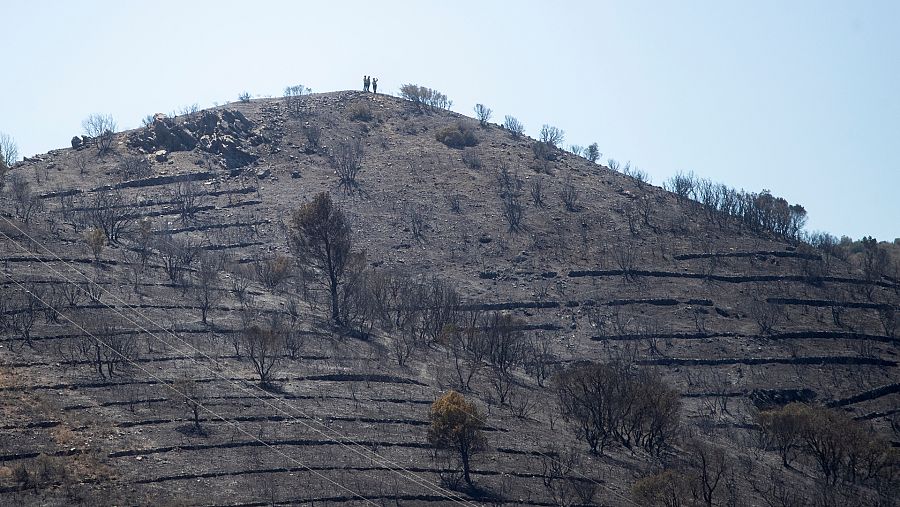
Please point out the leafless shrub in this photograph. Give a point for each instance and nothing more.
(134, 167)
(537, 191)
(52, 302)
(483, 113)
(699, 314)
(313, 136)
(440, 304)
(631, 218)
(294, 338)
(81, 163)
(190, 395)
(244, 97)
(538, 359)
(423, 98)
(521, 404)
(273, 271)
(142, 236)
(24, 310)
(623, 254)
(346, 159)
(576, 149)
(102, 128)
(551, 136)
(504, 340)
(93, 291)
(640, 177)
(888, 317)
(715, 386)
(25, 202)
(105, 346)
(761, 212)
(454, 200)
(471, 158)
(560, 474)
(611, 403)
(112, 212)
(392, 296)
(682, 185)
(205, 288)
(188, 200)
(779, 492)
(187, 110)
(514, 126)
(612, 164)
(416, 217)
(357, 310)
(510, 197)
(569, 196)
(177, 254)
(293, 98)
(9, 151)
(467, 346)
(874, 261)
(513, 211)
(264, 348)
(765, 314)
(72, 294)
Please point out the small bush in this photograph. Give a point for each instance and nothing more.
(361, 112)
(133, 167)
(544, 151)
(313, 136)
(471, 158)
(244, 97)
(272, 272)
(457, 136)
(96, 240)
(569, 196)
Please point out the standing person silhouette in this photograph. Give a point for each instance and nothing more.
(374, 85)
(365, 83)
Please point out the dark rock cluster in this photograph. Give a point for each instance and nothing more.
(226, 133)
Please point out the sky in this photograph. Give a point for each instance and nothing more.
(798, 97)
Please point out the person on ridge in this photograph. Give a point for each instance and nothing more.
(365, 83)
(374, 85)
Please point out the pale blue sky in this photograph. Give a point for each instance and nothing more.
(797, 97)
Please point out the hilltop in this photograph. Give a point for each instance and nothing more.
(132, 279)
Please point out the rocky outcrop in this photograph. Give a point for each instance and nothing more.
(226, 133)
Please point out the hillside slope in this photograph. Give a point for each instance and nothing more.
(732, 318)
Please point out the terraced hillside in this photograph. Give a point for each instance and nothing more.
(134, 280)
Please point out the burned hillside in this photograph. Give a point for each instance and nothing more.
(266, 303)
